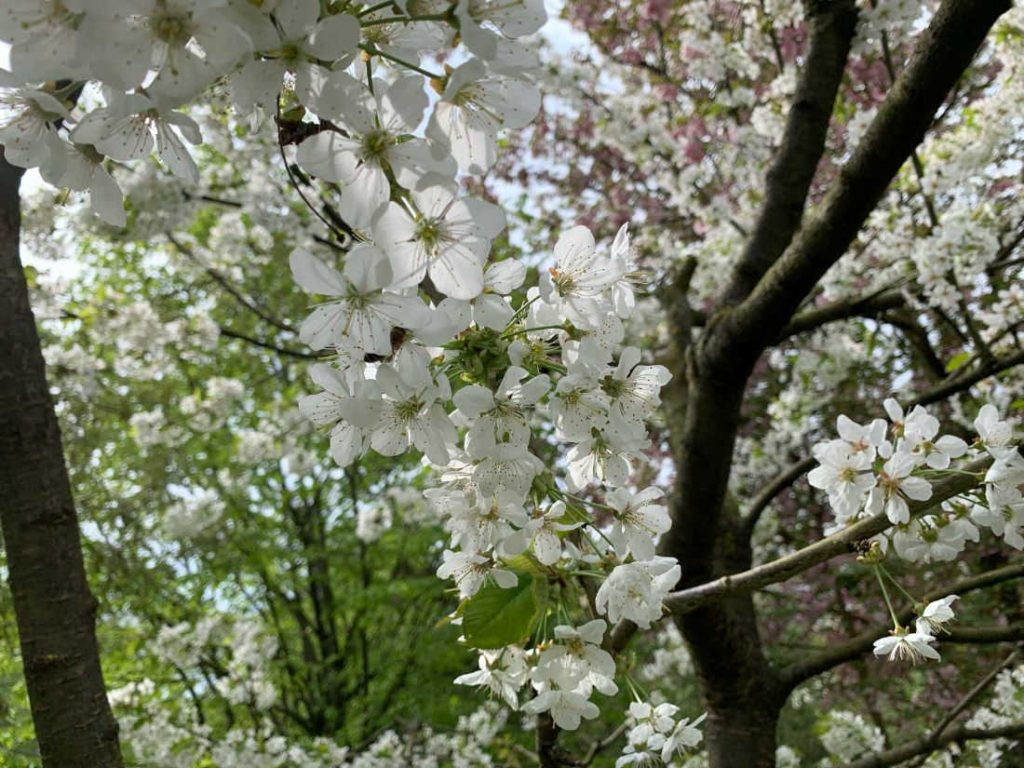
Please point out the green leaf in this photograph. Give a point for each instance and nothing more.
(495, 617)
(957, 361)
(526, 563)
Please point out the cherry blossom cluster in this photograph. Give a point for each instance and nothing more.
(434, 342)
(655, 733)
(162, 738)
(879, 467)
(550, 361)
(143, 62)
(902, 644)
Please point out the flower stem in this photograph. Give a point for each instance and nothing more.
(885, 594)
(374, 51)
(899, 586)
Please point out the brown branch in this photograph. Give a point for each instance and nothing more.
(958, 384)
(603, 744)
(268, 345)
(796, 673)
(777, 485)
(984, 635)
(839, 543)
(224, 283)
(832, 26)
(966, 700)
(549, 754)
(917, 337)
(867, 306)
(944, 51)
(692, 598)
(924, 745)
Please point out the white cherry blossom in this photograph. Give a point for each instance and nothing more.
(639, 520)
(844, 475)
(500, 417)
(935, 616)
(636, 591)
(575, 285)
(895, 485)
(503, 672)
(475, 104)
(543, 530)
(448, 239)
(365, 314)
(303, 41)
(370, 141)
(903, 644)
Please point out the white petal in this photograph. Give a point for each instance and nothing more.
(334, 37)
(315, 276)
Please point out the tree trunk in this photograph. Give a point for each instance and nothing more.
(55, 610)
(738, 687)
(742, 736)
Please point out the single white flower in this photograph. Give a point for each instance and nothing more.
(474, 106)
(577, 654)
(500, 417)
(995, 434)
(639, 520)
(365, 314)
(448, 240)
(503, 672)
(470, 570)
(543, 530)
(844, 475)
(636, 591)
(867, 439)
(903, 644)
(935, 616)
(684, 736)
(574, 286)
(302, 41)
(895, 485)
(633, 389)
(371, 139)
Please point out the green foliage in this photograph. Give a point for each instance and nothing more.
(495, 617)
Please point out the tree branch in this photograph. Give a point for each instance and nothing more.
(777, 485)
(794, 674)
(692, 598)
(945, 50)
(838, 543)
(866, 306)
(958, 384)
(603, 744)
(966, 700)
(924, 745)
(917, 337)
(832, 25)
(224, 283)
(268, 345)
(952, 386)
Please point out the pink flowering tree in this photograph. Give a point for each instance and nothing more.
(773, 341)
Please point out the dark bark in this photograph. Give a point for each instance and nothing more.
(779, 267)
(944, 52)
(832, 25)
(703, 403)
(744, 734)
(55, 610)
